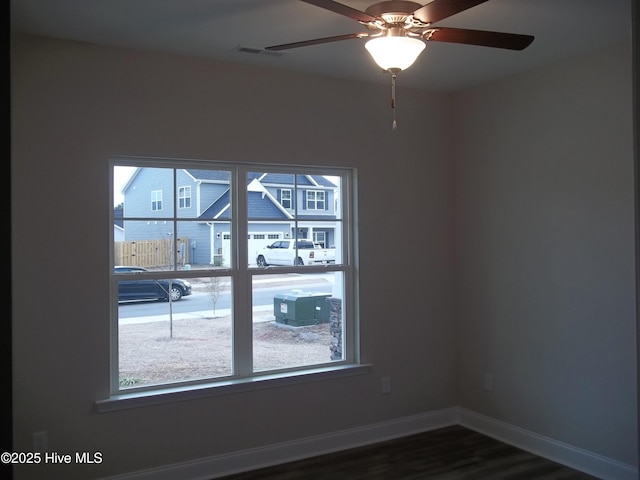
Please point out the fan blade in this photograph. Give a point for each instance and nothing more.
(342, 10)
(483, 38)
(317, 41)
(440, 9)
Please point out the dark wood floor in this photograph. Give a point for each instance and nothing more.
(452, 453)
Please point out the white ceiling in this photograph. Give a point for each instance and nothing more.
(215, 28)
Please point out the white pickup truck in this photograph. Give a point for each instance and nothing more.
(292, 252)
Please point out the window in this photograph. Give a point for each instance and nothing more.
(184, 197)
(156, 200)
(192, 304)
(315, 200)
(285, 198)
(319, 238)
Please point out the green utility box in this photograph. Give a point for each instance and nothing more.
(301, 308)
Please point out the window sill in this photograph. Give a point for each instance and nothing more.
(179, 393)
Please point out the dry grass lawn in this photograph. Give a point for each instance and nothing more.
(160, 352)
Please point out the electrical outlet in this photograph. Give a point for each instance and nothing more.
(40, 442)
(488, 382)
(385, 385)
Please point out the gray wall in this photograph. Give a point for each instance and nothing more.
(545, 296)
(532, 212)
(75, 104)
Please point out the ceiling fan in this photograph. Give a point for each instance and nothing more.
(398, 30)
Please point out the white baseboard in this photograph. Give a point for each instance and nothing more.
(221, 465)
(574, 457)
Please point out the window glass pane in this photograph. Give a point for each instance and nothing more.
(149, 193)
(265, 196)
(212, 190)
(146, 243)
(203, 245)
(297, 320)
(304, 209)
(164, 341)
(122, 175)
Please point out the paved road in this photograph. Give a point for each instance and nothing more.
(199, 305)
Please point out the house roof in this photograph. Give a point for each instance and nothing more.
(219, 209)
(280, 179)
(260, 206)
(302, 180)
(211, 175)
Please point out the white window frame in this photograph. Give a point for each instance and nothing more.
(286, 202)
(242, 275)
(184, 197)
(156, 200)
(315, 201)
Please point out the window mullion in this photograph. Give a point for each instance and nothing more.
(242, 288)
(348, 247)
(174, 215)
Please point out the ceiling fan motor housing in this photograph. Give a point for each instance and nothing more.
(395, 16)
(393, 8)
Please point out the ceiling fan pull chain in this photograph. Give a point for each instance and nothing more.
(394, 125)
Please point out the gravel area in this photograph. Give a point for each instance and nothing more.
(160, 352)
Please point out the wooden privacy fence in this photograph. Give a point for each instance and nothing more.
(152, 253)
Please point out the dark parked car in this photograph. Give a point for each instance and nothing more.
(143, 289)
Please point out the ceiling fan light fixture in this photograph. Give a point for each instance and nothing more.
(394, 53)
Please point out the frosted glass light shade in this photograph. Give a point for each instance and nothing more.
(394, 52)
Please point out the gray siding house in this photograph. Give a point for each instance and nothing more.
(279, 206)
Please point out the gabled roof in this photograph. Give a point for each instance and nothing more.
(279, 179)
(282, 179)
(210, 175)
(219, 209)
(260, 203)
(260, 206)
